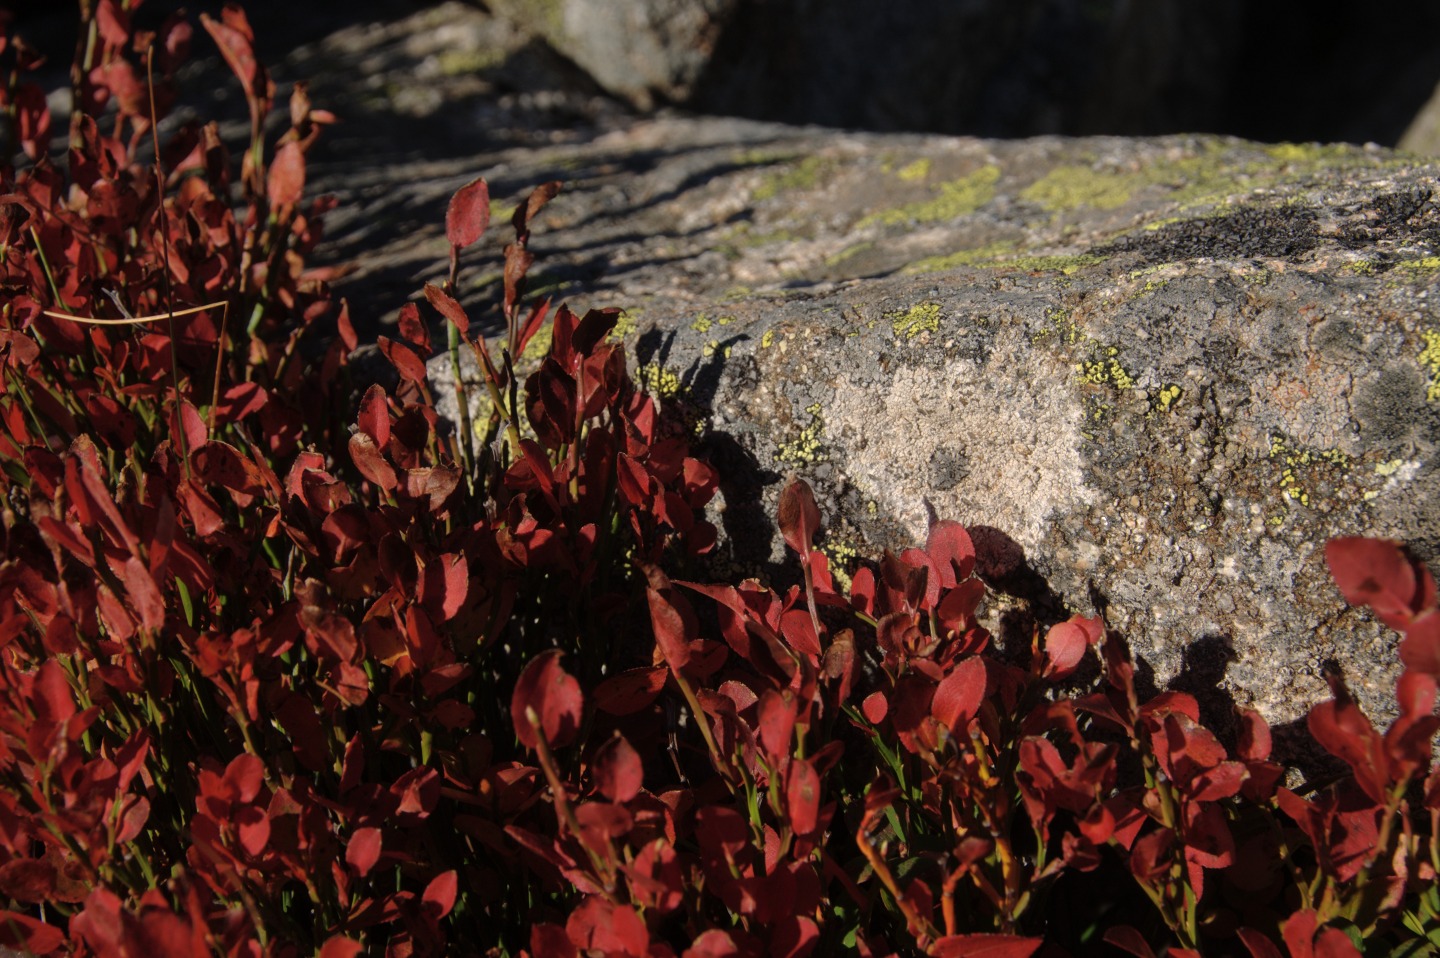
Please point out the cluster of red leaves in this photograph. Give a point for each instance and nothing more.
(283, 671)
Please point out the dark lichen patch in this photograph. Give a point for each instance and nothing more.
(1281, 232)
(1400, 215)
(949, 467)
(1389, 408)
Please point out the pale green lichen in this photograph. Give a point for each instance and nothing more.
(999, 256)
(915, 172)
(1388, 469)
(801, 176)
(835, 259)
(920, 318)
(808, 446)
(955, 198)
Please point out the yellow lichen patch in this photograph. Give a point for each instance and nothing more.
(767, 339)
(1106, 371)
(626, 324)
(701, 324)
(659, 381)
(1068, 265)
(1301, 465)
(1430, 359)
(807, 447)
(842, 555)
(915, 172)
(1168, 396)
(1388, 469)
(1427, 264)
(920, 318)
(955, 198)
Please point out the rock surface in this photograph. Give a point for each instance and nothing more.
(1158, 373)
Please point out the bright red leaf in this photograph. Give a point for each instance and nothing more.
(468, 214)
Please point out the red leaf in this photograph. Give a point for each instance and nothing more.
(22, 931)
(1334, 943)
(409, 365)
(363, 850)
(799, 517)
(374, 418)
(605, 928)
(959, 695)
(439, 896)
(1128, 939)
(27, 879)
(1376, 573)
(468, 214)
(285, 184)
(618, 771)
(1065, 644)
(952, 552)
(1259, 945)
(712, 944)
(674, 624)
(546, 691)
(54, 702)
(777, 714)
(235, 47)
(1299, 934)
(448, 307)
(985, 946)
(446, 583)
(799, 630)
(1345, 732)
(802, 797)
(338, 946)
(550, 941)
(875, 707)
(253, 826)
(144, 597)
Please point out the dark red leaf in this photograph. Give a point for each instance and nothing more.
(985, 946)
(1128, 939)
(36, 937)
(1259, 945)
(552, 696)
(799, 517)
(27, 879)
(468, 214)
(602, 927)
(619, 773)
(285, 184)
(550, 941)
(631, 691)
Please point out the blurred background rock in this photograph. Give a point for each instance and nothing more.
(1270, 70)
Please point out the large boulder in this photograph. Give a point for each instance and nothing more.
(1002, 67)
(1153, 376)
